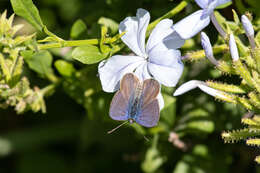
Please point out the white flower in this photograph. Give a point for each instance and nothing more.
(247, 25)
(201, 85)
(233, 48)
(194, 23)
(159, 59)
(205, 43)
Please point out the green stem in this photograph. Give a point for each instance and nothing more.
(68, 44)
(73, 43)
(170, 14)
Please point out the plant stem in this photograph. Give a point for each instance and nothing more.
(170, 14)
(68, 44)
(73, 43)
(218, 26)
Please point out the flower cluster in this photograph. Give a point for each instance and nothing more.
(238, 66)
(159, 58)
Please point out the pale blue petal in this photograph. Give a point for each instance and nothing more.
(143, 17)
(202, 3)
(201, 85)
(161, 30)
(166, 66)
(135, 28)
(160, 100)
(187, 87)
(113, 69)
(142, 72)
(191, 25)
(210, 8)
(173, 41)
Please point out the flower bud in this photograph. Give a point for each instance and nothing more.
(248, 27)
(233, 48)
(205, 43)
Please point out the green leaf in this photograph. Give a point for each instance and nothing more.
(40, 62)
(153, 158)
(235, 16)
(64, 68)
(109, 23)
(5, 68)
(200, 122)
(88, 54)
(27, 10)
(168, 112)
(257, 38)
(77, 29)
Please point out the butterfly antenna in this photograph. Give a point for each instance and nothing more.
(111, 131)
(146, 139)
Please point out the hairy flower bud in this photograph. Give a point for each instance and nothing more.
(233, 48)
(205, 43)
(248, 27)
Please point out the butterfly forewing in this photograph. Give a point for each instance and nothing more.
(151, 89)
(118, 107)
(128, 85)
(149, 114)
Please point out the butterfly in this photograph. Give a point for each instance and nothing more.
(136, 101)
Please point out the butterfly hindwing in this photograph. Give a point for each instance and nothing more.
(149, 114)
(118, 107)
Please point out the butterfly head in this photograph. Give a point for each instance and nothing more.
(131, 120)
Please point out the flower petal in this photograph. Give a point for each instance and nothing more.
(112, 70)
(191, 25)
(202, 3)
(187, 87)
(161, 30)
(160, 100)
(173, 41)
(164, 37)
(135, 28)
(210, 8)
(166, 66)
(142, 72)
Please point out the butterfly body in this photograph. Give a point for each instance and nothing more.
(136, 101)
(134, 104)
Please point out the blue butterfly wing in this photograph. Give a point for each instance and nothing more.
(118, 107)
(149, 115)
(121, 100)
(149, 112)
(151, 89)
(128, 85)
